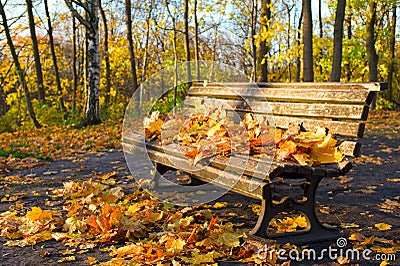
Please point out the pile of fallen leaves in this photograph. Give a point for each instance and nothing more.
(27, 149)
(209, 133)
(97, 215)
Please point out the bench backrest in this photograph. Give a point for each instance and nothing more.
(341, 107)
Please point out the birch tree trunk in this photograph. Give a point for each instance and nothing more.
(91, 23)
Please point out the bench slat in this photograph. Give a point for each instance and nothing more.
(335, 111)
(343, 95)
(207, 173)
(239, 164)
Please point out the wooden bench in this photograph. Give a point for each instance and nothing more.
(341, 107)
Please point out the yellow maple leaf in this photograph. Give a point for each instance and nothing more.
(174, 246)
(37, 214)
(383, 226)
(301, 221)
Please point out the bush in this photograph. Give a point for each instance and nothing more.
(384, 104)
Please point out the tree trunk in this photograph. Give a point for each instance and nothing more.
(35, 47)
(263, 49)
(174, 44)
(146, 50)
(196, 41)
(349, 36)
(338, 41)
(187, 40)
(54, 58)
(321, 30)
(370, 36)
(298, 59)
(106, 58)
(128, 14)
(308, 72)
(371, 52)
(392, 52)
(74, 64)
(253, 25)
(18, 68)
(91, 23)
(288, 9)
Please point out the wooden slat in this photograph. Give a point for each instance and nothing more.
(371, 86)
(343, 95)
(208, 173)
(335, 111)
(350, 148)
(236, 163)
(240, 163)
(342, 128)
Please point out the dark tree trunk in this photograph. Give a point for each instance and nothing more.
(263, 49)
(146, 50)
(338, 41)
(196, 41)
(392, 51)
(253, 26)
(187, 40)
(370, 34)
(54, 58)
(308, 71)
(35, 47)
(106, 59)
(128, 14)
(371, 52)
(18, 68)
(349, 36)
(74, 64)
(298, 59)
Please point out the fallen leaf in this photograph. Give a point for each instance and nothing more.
(383, 226)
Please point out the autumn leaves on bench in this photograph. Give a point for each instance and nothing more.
(208, 132)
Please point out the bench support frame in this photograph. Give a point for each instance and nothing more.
(316, 231)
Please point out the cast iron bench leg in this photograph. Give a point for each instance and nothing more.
(316, 232)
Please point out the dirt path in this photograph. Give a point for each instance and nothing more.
(354, 203)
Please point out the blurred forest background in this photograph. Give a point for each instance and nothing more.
(80, 61)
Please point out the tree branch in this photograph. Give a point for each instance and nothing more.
(76, 14)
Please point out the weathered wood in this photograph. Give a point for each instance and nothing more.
(371, 86)
(350, 148)
(344, 95)
(334, 111)
(231, 181)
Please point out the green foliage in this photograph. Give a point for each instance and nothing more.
(384, 104)
(166, 103)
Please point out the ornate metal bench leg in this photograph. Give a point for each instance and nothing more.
(160, 170)
(266, 214)
(316, 232)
